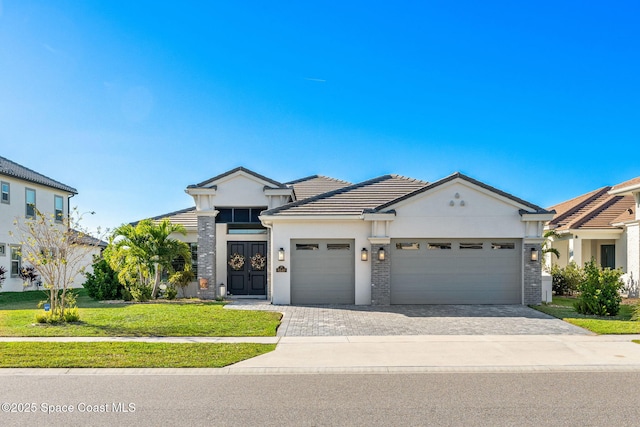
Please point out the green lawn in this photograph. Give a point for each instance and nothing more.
(17, 318)
(562, 308)
(17, 314)
(125, 355)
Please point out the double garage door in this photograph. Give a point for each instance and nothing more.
(423, 271)
(322, 271)
(461, 271)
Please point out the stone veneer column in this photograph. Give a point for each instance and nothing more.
(532, 275)
(380, 276)
(207, 256)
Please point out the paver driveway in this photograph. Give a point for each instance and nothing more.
(353, 320)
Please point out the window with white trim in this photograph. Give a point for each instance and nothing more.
(6, 192)
(16, 260)
(58, 207)
(30, 202)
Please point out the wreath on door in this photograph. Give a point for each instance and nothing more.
(258, 261)
(236, 261)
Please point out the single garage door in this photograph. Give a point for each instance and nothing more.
(322, 271)
(460, 271)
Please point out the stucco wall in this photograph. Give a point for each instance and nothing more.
(472, 213)
(16, 209)
(284, 232)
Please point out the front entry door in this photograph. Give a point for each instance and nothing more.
(247, 268)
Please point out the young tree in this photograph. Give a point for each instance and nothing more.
(58, 251)
(142, 252)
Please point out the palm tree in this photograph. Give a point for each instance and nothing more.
(142, 252)
(546, 246)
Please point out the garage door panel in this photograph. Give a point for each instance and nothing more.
(322, 271)
(457, 276)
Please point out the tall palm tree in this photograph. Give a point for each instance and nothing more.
(145, 250)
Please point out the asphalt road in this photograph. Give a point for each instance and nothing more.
(433, 399)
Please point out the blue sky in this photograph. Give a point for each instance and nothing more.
(131, 101)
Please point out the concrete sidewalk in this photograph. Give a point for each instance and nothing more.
(451, 353)
(394, 354)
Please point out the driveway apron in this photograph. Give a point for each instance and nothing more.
(353, 320)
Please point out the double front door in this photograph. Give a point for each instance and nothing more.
(247, 268)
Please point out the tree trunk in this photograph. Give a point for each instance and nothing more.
(156, 281)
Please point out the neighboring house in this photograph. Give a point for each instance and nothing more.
(602, 225)
(389, 240)
(22, 192)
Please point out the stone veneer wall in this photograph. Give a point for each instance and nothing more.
(532, 275)
(207, 256)
(380, 276)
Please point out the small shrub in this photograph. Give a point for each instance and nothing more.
(171, 292)
(103, 283)
(565, 281)
(70, 315)
(140, 293)
(599, 291)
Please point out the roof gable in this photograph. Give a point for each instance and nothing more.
(13, 169)
(239, 171)
(506, 197)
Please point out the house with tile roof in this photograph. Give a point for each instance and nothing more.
(24, 190)
(600, 225)
(387, 240)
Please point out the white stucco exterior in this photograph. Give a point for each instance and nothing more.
(15, 210)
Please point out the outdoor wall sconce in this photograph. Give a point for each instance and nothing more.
(534, 254)
(381, 254)
(281, 254)
(364, 254)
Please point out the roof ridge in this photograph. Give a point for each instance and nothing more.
(328, 194)
(596, 193)
(310, 177)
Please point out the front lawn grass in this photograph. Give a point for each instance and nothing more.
(17, 318)
(126, 355)
(562, 308)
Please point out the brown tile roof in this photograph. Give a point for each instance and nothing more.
(631, 183)
(315, 184)
(353, 199)
(594, 210)
(13, 169)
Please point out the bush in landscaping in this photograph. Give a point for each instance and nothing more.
(103, 283)
(140, 293)
(565, 281)
(599, 291)
(51, 317)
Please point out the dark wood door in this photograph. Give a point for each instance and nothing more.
(608, 256)
(247, 268)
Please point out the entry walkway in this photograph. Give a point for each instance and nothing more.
(403, 320)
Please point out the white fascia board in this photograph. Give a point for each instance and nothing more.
(378, 216)
(278, 191)
(283, 218)
(537, 217)
(200, 190)
(624, 191)
(592, 234)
